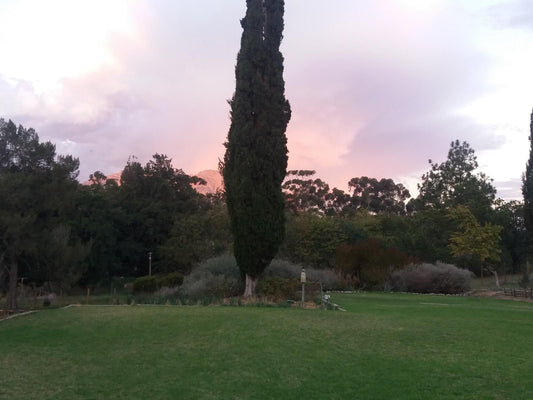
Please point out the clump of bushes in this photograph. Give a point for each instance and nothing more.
(217, 277)
(369, 264)
(149, 284)
(431, 278)
(287, 270)
(220, 277)
(145, 284)
(170, 280)
(279, 288)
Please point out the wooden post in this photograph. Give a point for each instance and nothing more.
(88, 295)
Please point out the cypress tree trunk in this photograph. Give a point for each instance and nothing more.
(255, 162)
(251, 283)
(527, 192)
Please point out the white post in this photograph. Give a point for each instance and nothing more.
(150, 263)
(303, 279)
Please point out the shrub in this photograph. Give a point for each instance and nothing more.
(170, 280)
(369, 263)
(145, 284)
(220, 277)
(431, 278)
(279, 288)
(285, 269)
(224, 265)
(217, 277)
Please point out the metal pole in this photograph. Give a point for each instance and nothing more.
(150, 263)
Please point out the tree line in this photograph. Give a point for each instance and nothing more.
(59, 234)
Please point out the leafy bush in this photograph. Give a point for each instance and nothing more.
(285, 269)
(145, 284)
(220, 277)
(279, 288)
(170, 280)
(224, 265)
(369, 263)
(431, 278)
(217, 277)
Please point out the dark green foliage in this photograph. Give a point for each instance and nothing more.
(150, 200)
(256, 150)
(368, 263)
(312, 239)
(430, 230)
(510, 215)
(170, 280)
(36, 192)
(287, 270)
(96, 218)
(525, 281)
(280, 288)
(149, 284)
(145, 284)
(125, 222)
(454, 183)
(303, 193)
(194, 238)
(527, 192)
(428, 278)
(383, 196)
(216, 278)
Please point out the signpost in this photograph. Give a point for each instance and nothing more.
(303, 279)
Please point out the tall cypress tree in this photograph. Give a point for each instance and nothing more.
(527, 192)
(255, 162)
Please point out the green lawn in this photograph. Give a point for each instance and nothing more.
(386, 346)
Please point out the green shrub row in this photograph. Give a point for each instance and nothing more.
(149, 284)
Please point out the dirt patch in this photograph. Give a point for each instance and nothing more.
(496, 294)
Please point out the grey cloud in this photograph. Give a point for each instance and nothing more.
(512, 14)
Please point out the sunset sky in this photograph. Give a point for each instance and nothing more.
(377, 87)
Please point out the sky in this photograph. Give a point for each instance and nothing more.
(377, 87)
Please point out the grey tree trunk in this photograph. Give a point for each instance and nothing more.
(251, 284)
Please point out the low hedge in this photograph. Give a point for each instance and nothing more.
(149, 284)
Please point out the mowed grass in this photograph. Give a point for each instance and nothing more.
(385, 346)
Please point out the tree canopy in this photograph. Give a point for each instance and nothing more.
(383, 196)
(454, 182)
(35, 189)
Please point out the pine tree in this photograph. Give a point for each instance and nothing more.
(527, 192)
(255, 162)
